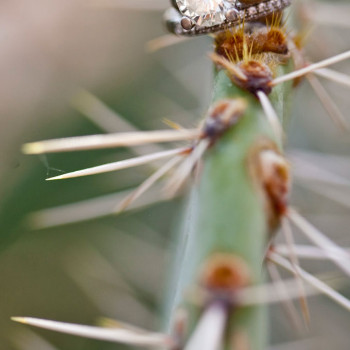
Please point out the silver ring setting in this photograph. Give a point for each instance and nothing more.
(195, 17)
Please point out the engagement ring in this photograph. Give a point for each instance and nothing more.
(194, 17)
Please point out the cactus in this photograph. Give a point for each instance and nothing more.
(238, 197)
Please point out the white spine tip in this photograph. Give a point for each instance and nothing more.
(19, 319)
(32, 148)
(60, 177)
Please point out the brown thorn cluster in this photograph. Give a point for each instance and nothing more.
(250, 75)
(225, 273)
(257, 37)
(251, 52)
(221, 116)
(271, 172)
(259, 76)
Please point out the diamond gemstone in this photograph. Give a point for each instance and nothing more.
(204, 13)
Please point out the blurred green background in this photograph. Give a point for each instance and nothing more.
(113, 266)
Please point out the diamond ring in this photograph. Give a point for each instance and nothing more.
(194, 17)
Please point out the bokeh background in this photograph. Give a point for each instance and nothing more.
(80, 67)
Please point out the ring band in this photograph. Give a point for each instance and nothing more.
(180, 24)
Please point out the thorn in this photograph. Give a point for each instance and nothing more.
(125, 336)
(320, 240)
(310, 68)
(286, 298)
(268, 293)
(123, 164)
(271, 115)
(108, 120)
(209, 330)
(333, 75)
(19, 319)
(148, 183)
(313, 281)
(179, 177)
(231, 67)
(308, 252)
(328, 104)
(172, 124)
(109, 141)
(88, 209)
(287, 231)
